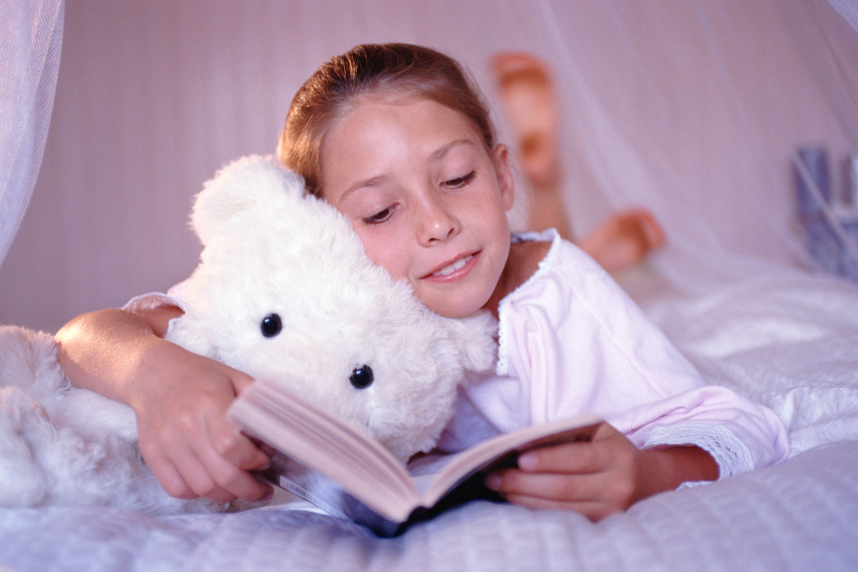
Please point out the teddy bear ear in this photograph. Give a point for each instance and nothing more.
(240, 187)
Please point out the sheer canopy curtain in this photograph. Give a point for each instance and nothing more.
(30, 45)
(694, 109)
(691, 108)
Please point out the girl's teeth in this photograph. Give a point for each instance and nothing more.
(458, 265)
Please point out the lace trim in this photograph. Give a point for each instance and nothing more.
(503, 352)
(730, 453)
(150, 301)
(502, 367)
(154, 300)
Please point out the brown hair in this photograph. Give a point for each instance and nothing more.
(365, 69)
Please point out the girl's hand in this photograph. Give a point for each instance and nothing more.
(184, 435)
(179, 398)
(599, 478)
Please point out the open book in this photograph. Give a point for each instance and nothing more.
(349, 474)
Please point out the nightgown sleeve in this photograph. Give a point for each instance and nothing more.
(577, 343)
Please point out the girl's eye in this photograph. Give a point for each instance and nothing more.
(460, 182)
(379, 217)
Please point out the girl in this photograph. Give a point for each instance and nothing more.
(395, 138)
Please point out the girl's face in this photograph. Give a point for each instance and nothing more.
(426, 198)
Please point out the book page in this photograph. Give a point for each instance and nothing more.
(369, 472)
(315, 438)
(504, 450)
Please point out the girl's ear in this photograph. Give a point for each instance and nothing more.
(506, 182)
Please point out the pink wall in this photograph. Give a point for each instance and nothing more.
(153, 96)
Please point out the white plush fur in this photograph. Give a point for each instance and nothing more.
(65, 446)
(268, 249)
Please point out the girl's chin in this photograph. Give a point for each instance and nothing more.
(450, 308)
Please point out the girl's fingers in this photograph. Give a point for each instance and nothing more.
(170, 479)
(195, 469)
(207, 475)
(609, 450)
(566, 458)
(594, 495)
(548, 486)
(235, 447)
(187, 478)
(220, 481)
(222, 475)
(199, 479)
(575, 476)
(238, 483)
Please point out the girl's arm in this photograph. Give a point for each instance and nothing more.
(602, 477)
(179, 398)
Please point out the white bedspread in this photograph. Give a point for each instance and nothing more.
(802, 515)
(792, 345)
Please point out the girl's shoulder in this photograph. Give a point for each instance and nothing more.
(535, 255)
(550, 269)
(527, 254)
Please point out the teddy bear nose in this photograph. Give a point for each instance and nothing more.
(271, 325)
(361, 377)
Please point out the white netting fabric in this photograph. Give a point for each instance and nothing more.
(30, 44)
(690, 108)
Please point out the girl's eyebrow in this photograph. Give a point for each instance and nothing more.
(439, 153)
(357, 185)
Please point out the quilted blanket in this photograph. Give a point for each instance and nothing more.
(792, 345)
(801, 515)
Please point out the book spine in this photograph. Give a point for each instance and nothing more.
(326, 494)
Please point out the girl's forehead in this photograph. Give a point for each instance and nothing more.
(383, 136)
(389, 94)
(418, 119)
(394, 98)
(401, 108)
(378, 97)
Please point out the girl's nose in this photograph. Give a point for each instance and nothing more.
(437, 222)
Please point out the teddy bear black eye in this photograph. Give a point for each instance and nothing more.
(361, 377)
(271, 325)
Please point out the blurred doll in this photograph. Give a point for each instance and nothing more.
(528, 97)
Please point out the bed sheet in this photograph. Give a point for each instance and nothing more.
(793, 345)
(788, 341)
(801, 515)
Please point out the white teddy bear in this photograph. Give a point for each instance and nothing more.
(284, 291)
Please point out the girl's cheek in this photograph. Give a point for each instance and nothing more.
(383, 251)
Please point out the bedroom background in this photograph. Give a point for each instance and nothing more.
(691, 108)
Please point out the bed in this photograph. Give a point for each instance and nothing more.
(758, 78)
(790, 342)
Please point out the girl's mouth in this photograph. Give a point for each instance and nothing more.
(455, 270)
(457, 265)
